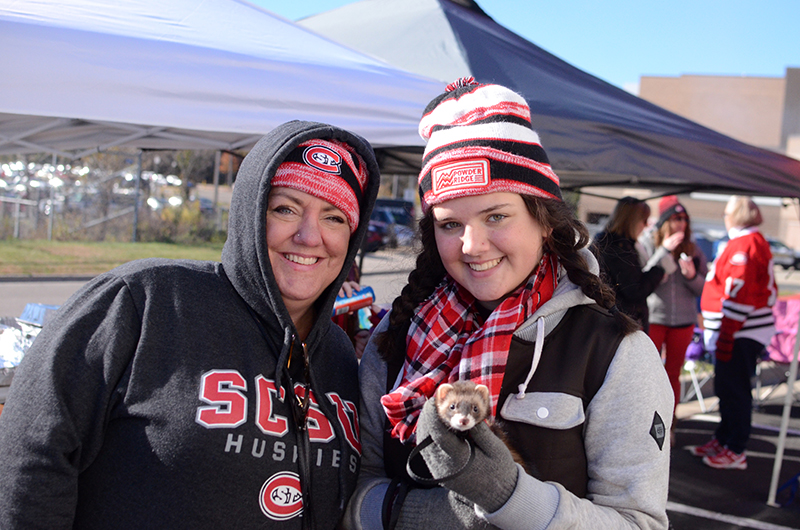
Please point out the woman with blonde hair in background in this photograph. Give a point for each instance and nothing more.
(737, 305)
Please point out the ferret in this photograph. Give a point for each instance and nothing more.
(463, 404)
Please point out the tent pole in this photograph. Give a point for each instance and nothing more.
(217, 213)
(52, 204)
(787, 410)
(216, 178)
(136, 198)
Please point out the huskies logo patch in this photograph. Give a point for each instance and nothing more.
(323, 158)
(460, 175)
(281, 497)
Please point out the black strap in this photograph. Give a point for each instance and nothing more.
(393, 502)
(433, 481)
(299, 407)
(304, 456)
(399, 499)
(388, 501)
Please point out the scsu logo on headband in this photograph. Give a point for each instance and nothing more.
(460, 175)
(323, 158)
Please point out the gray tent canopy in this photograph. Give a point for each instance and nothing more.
(595, 134)
(81, 77)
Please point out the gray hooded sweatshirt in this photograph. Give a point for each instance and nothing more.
(159, 396)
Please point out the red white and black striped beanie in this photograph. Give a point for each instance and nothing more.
(479, 140)
(329, 170)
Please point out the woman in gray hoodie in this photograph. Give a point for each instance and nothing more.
(673, 305)
(186, 394)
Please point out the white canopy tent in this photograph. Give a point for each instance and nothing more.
(80, 76)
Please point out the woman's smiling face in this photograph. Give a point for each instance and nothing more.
(307, 241)
(490, 244)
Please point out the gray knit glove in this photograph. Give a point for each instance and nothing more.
(491, 477)
(439, 509)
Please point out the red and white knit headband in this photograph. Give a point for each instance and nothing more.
(329, 170)
(479, 140)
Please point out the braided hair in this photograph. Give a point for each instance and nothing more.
(567, 237)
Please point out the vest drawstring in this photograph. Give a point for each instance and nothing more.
(537, 356)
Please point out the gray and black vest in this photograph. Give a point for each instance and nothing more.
(546, 426)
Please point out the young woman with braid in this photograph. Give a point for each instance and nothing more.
(506, 294)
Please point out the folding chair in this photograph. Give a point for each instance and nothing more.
(775, 363)
(697, 361)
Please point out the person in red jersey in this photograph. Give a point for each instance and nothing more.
(737, 302)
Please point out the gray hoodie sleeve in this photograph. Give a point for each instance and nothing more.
(364, 509)
(661, 257)
(52, 426)
(628, 472)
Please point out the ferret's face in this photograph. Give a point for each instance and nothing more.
(462, 404)
(461, 415)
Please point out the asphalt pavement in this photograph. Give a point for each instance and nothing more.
(711, 499)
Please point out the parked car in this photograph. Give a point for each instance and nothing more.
(402, 210)
(392, 232)
(206, 205)
(706, 245)
(382, 223)
(404, 235)
(782, 255)
(373, 240)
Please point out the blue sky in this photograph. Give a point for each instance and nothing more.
(620, 41)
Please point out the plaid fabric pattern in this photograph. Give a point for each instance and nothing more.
(447, 343)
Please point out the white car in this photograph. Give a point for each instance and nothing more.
(783, 255)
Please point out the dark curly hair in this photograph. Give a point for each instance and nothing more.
(567, 237)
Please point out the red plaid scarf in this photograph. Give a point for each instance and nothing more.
(447, 343)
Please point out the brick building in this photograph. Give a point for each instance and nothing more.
(761, 111)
